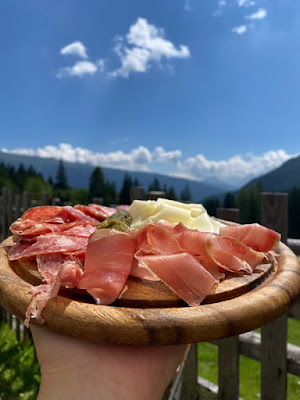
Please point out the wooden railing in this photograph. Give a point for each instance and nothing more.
(270, 347)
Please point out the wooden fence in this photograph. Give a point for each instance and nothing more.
(270, 347)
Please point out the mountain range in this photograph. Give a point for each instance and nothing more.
(78, 176)
(281, 179)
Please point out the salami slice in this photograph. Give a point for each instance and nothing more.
(47, 244)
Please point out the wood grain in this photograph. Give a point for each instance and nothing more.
(172, 325)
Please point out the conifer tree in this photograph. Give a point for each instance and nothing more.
(97, 183)
(125, 191)
(185, 194)
(61, 181)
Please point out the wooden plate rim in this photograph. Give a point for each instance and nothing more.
(108, 324)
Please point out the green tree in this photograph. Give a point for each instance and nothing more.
(170, 193)
(97, 183)
(242, 202)
(229, 200)
(61, 181)
(211, 204)
(125, 190)
(35, 185)
(155, 185)
(294, 213)
(185, 194)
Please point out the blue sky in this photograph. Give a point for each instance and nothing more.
(194, 88)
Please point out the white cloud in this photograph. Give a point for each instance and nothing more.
(163, 156)
(246, 3)
(261, 13)
(75, 48)
(199, 167)
(137, 159)
(143, 45)
(238, 168)
(240, 29)
(79, 69)
(219, 11)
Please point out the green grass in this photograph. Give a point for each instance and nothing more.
(249, 369)
(19, 369)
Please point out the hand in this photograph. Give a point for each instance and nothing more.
(72, 369)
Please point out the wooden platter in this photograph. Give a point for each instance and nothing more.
(152, 314)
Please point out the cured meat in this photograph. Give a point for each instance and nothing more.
(256, 236)
(96, 211)
(152, 239)
(47, 244)
(49, 219)
(231, 254)
(79, 229)
(190, 262)
(183, 274)
(228, 253)
(54, 214)
(77, 215)
(39, 219)
(57, 272)
(156, 239)
(31, 229)
(109, 258)
(49, 265)
(143, 273)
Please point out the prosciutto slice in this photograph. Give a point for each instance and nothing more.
(183, 274)
(256, 236)
(109, 258)
(153, 239)
(231, 254)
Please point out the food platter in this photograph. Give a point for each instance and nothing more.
(232, 309)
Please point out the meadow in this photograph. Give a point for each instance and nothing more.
(249, 369)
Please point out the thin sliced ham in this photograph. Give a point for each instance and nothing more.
(232, 255)
(109, 258)
(152, 239)
(156, 239)
(256, 236)
(183, 274)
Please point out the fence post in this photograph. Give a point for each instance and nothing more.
(4, 214)
(228, 214)
(137, 193)
(44, 199)
(228, 368)
(190, 384)
(274, 215)
(25, 201)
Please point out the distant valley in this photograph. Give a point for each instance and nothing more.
(79, 174)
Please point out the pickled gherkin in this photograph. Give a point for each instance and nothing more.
(121, 221)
